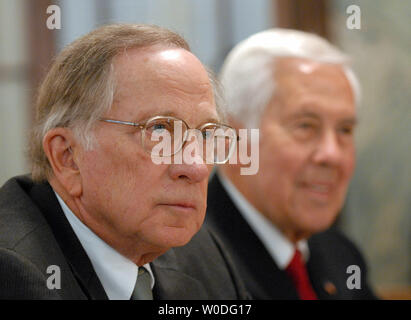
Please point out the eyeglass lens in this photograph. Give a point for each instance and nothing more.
(164, 137)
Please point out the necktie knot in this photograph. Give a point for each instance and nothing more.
(299, 275)
(142, 289)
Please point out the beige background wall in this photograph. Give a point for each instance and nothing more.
(14, 88)
(378, 213)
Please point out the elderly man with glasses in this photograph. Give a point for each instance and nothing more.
(98, 218)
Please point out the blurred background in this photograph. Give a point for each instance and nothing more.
(377, 212)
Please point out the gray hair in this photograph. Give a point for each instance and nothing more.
(247, 74)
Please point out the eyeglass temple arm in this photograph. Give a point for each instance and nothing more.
(128, 123)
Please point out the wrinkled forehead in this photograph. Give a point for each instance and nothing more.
(311, 86)
(299, 75)
(302, 67)
(162, 65)
(158, 79)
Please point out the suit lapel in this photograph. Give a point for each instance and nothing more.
(173, 284)
(77, 258)
(261, 274)
(326, 283)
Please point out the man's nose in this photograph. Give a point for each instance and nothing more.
(193, 173)
(329, 150)
(189, 163)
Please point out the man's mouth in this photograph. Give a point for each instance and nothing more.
(320, 188)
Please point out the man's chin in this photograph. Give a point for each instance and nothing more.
(177, 236)
(320, 224)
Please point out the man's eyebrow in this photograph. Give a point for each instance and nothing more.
(352, 120)
(173, 114)
(305, 113)
(212, 120)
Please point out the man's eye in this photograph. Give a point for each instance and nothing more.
(305, 126)
(347, 130)
(207, 134)
(305, 129)
(159, 127)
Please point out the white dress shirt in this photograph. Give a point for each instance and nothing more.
(117, 274)
(277, 245)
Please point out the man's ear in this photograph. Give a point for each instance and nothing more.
(60, 146)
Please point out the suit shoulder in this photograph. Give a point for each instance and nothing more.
(24, 230)
(21, 279)
(338, 253)
(19, 216)
(334, 241)
(203, 247)
(333, 237)
(205, 258)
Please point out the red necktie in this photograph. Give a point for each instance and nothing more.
(298, 273)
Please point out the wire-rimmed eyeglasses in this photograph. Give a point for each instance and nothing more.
(164, 136)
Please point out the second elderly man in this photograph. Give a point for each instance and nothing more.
(299, 91)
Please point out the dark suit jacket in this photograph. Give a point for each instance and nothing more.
(330, 255)
(35, 234)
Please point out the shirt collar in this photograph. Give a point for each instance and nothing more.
(277, 245)
(117, 274)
